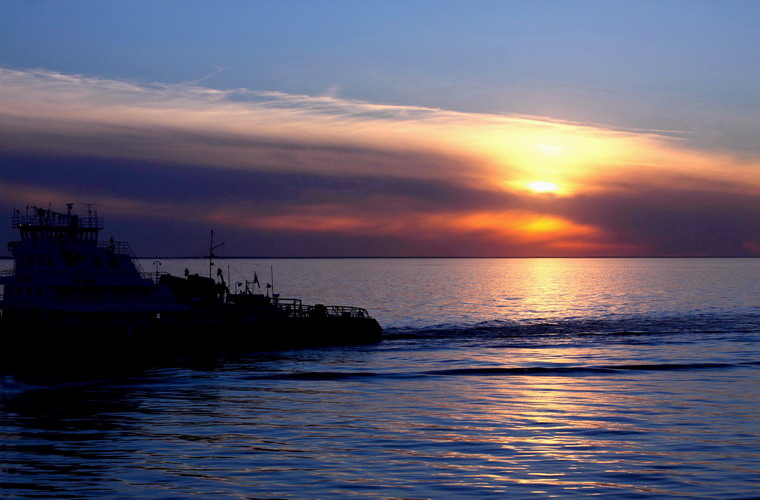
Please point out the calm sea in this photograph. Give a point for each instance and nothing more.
(620, 378)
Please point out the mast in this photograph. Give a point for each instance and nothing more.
(211, 255)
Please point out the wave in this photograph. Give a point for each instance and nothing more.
(315, 376)
(564, 370)
(491, 371)
(700, 323)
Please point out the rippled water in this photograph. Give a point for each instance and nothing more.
(622, 378)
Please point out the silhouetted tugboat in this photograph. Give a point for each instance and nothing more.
(70, 293)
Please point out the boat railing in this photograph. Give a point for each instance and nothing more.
(39, 223)
(295, 309)
(121, 248)
(53, 220)
(115, 247)
(156, 277)
(347, 311)
(9, 273)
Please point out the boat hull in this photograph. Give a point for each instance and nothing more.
(42, 344)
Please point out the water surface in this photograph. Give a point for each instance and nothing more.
(622, 378)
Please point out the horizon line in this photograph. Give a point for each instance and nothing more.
(462, 257)
(336, 257)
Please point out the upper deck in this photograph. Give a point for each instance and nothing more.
(41, 223)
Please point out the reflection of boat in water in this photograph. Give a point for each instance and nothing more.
(69, 291)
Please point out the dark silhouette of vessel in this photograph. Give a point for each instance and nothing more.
(71, 294)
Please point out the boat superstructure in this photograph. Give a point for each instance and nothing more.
(69, 288)
(63, 274)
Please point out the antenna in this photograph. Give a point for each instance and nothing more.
(271, 274)
(211, 255)
(89, 208)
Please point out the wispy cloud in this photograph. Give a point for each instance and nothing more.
(216, 71)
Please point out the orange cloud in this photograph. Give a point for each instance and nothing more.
(284, 132)
(603, 180)
(499, 231)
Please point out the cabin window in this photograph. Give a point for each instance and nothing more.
(113, 262)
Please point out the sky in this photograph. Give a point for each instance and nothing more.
(531, 128)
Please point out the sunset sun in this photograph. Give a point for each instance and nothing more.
(543, 187)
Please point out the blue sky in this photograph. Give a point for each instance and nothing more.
(685, 72)
(445, 53)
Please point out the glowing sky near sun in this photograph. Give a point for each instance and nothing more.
(389, 141)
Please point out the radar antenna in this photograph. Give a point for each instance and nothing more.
(89, 208)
